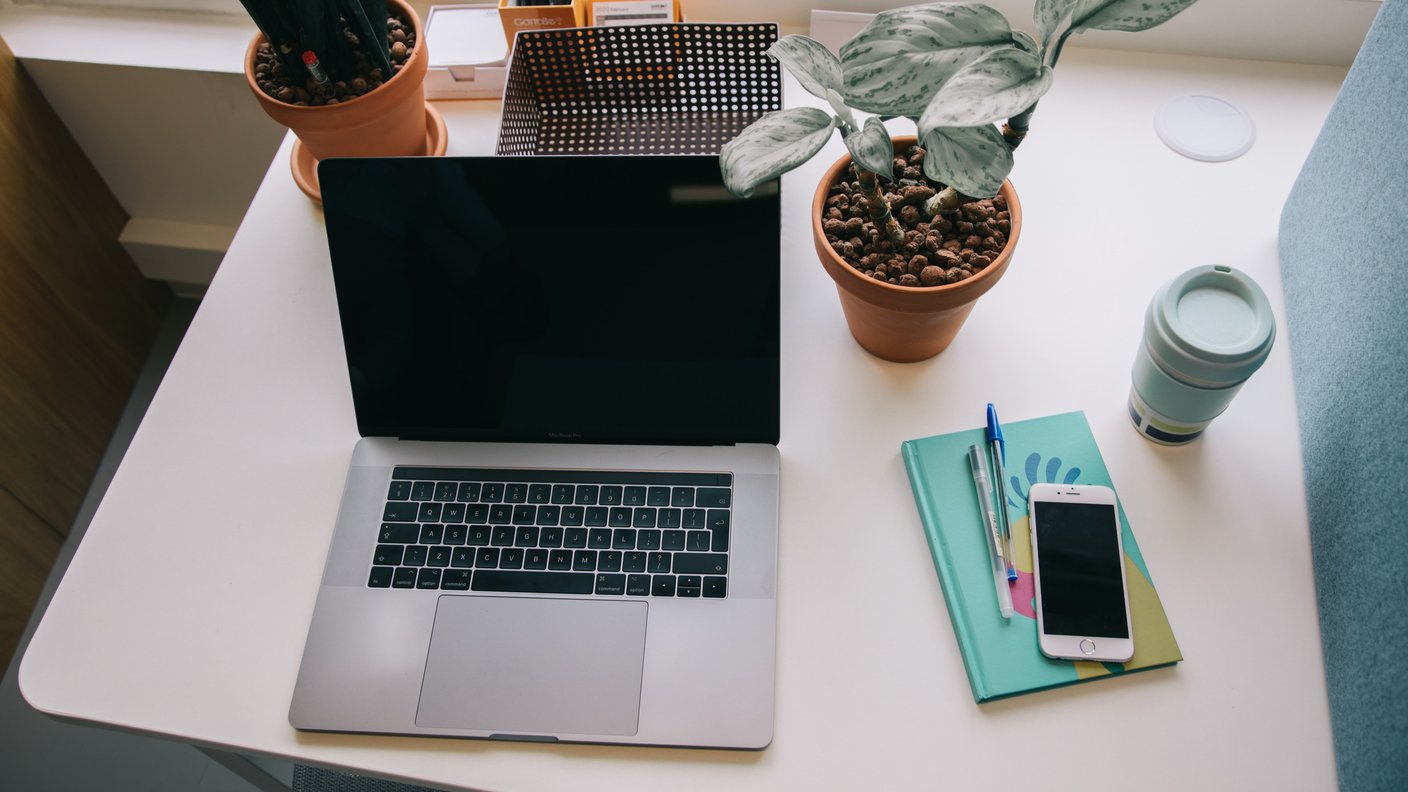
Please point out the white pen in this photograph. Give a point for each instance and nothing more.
(977, 460)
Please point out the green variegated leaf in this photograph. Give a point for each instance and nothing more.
(896, 64)
(997, 86)
(814, 66)
(1128, 15)
(773, 145)
(972, 160)
(871, 148)
(1052, 16)
(1024, 41)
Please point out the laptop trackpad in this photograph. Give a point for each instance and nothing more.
(521, 665)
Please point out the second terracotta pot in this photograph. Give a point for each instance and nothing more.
(905, 324)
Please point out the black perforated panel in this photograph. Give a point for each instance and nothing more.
(652, 89)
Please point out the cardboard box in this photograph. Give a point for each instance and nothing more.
(467, 52)
(545, 17)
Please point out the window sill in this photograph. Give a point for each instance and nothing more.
(154, 40)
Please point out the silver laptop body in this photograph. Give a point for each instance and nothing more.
(657, 667)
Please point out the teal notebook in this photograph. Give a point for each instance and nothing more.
(1001, 656)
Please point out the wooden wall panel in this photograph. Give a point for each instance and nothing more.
(76, 322)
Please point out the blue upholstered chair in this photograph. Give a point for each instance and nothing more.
(1344, 261)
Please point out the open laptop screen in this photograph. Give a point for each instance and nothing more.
(556, 299)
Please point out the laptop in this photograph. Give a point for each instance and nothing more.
(560, 522)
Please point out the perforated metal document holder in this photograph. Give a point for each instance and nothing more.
(650, 89)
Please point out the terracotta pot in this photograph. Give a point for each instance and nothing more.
(389, 121)
(902, 323)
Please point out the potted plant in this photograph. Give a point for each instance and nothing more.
(913, 230)
(346, 76)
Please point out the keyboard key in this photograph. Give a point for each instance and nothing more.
(486, 558)
(573, 515)
(713, 496)
(400, 490)
(633, 562)
(452, 513)
(462, 557)
(562, 493)
(439, 556)
(638, 585)
(719, 544)
(511, 558)
(717, 518)
(476, 513)
(658, 496)
(502, 536)
(534, 582)
(500, 514)
(400, 512)
(539, 493)
(404, 578)
(662, 585)
(658, 562)
(527, 536)
(429, 512)
(715, 587)
(492, 493)
(423, 491)
(445, 491)
(611, 584)
(515, 492)
(610, 496)
(548, 515)
(643, 518)
(596, 516)
(575, 537)
(648, 540)
(674, 540)
(431, 534)
(682, 496)
(560, 559)
(681, 591)
(608, 561)
(550, 537)
(380, 577)
(536, 558)
(621, 517)
(478, 535)
(388, 555)
(669, 518)
(690, 581)
(587, 494)
(584, 561)
(455, 534)
(415, 555)
(525, 515)
(693, 519)
(428, 579)
(399, 533)
(599, 538)
(701, 564)
(455, 580)
(623, 539)
(698, 542)
(633, 496)
(468, 492)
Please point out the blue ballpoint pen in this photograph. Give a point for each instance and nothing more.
(998, 448)
(978, 461)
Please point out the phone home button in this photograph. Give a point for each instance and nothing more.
(1087, 646)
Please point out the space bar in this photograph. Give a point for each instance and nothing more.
(533, 582)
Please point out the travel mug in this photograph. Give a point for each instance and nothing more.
(1205, 333)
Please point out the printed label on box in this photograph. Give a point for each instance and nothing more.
(632, 12)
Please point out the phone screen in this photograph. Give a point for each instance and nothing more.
(1082, 591)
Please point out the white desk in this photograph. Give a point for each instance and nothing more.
(184, 612)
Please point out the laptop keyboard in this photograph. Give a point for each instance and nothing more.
(603, 533)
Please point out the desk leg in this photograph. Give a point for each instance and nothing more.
(245, 769)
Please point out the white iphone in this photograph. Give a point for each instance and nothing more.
(1082, 604)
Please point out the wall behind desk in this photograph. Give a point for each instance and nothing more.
(76, 322)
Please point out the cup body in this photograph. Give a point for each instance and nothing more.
(1205, 333)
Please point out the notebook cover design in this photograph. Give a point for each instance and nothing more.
(1001, 657)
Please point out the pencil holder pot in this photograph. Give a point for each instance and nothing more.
(1205, 333)
(905, 324)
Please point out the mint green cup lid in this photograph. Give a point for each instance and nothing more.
(1210, 327)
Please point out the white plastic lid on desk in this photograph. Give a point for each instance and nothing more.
(1206, 128)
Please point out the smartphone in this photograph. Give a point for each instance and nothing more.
(1082, 604)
